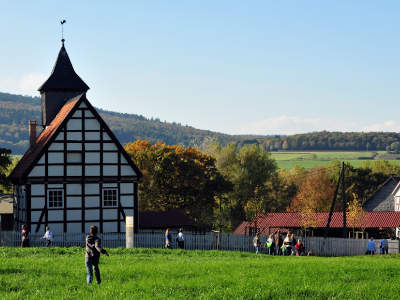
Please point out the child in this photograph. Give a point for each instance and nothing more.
(92, 257)
(299, 248)
(48, 236)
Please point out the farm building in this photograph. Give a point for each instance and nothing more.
(172, 219)
(386, 198)
(6, 212)
(374, 224)
(75, 173)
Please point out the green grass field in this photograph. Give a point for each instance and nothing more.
(59, 273)
(288, 160)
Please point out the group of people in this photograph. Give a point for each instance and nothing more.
(276, 244)
(180, 239)
(383, 246)
(25, 236)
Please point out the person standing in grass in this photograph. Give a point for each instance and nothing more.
(24, 236)
(257, 243)
(288, 242)
(270, 245)
(371, 248)
(168, 239)
(48, 236)
(181, 239)
(92, 257)
(384, 249)
(278, 243)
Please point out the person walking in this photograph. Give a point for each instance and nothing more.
(24, 236)
(257, 243)
(278, 243)
(168, 239)
(270, 245)
(371, 248)
(288, 242)
(180, 238)
(48, 236)
(92, 257)
(384, 247)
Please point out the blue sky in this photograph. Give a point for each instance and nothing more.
(239, 67)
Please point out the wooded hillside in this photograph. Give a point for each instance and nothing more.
(16, 111)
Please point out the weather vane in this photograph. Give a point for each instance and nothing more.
(62, 30)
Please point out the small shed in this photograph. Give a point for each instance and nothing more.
(6, 212)
(172, 219)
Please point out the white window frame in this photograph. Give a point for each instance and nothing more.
(104, 200)
(48, 198)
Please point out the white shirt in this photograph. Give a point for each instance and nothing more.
(48, 235)
(181, 237)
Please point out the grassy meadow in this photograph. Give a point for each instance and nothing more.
(288, 160)
(59, 273)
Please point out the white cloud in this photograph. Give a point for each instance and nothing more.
(292, 125)
(29, 83)
(389, 125)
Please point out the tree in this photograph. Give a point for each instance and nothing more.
(356, 216)
(316, 192)
(178, 178)
(5, 162)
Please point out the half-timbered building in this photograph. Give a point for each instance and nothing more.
(75, 173)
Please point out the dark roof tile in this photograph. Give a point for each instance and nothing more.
(382, 219)
(63, 76)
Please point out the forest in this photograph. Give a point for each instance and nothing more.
(16, 111)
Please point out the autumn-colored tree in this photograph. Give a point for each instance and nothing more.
(177, 178)
(356, 216)
(315, 193)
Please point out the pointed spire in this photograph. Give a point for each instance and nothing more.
(63, 76)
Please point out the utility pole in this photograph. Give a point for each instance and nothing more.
(334, 201)
(344, 202)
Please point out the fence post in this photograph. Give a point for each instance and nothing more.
(129, 232)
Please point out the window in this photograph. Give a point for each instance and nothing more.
(55, 198)
(110, 198)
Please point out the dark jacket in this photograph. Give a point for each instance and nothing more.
(93, 248)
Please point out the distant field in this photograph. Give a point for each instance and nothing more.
(59, 273)
(288, 160)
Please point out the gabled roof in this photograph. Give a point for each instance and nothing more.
(31, 157)
(384, 219)
(63, 76)
(383, 198)
(34, 152)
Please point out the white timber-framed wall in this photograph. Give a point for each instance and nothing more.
(83, 177)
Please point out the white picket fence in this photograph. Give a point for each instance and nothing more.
(195, 241)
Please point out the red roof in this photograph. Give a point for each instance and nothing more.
(33, 153)
(382, 219)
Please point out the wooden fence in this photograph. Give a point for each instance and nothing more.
(207, 241)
